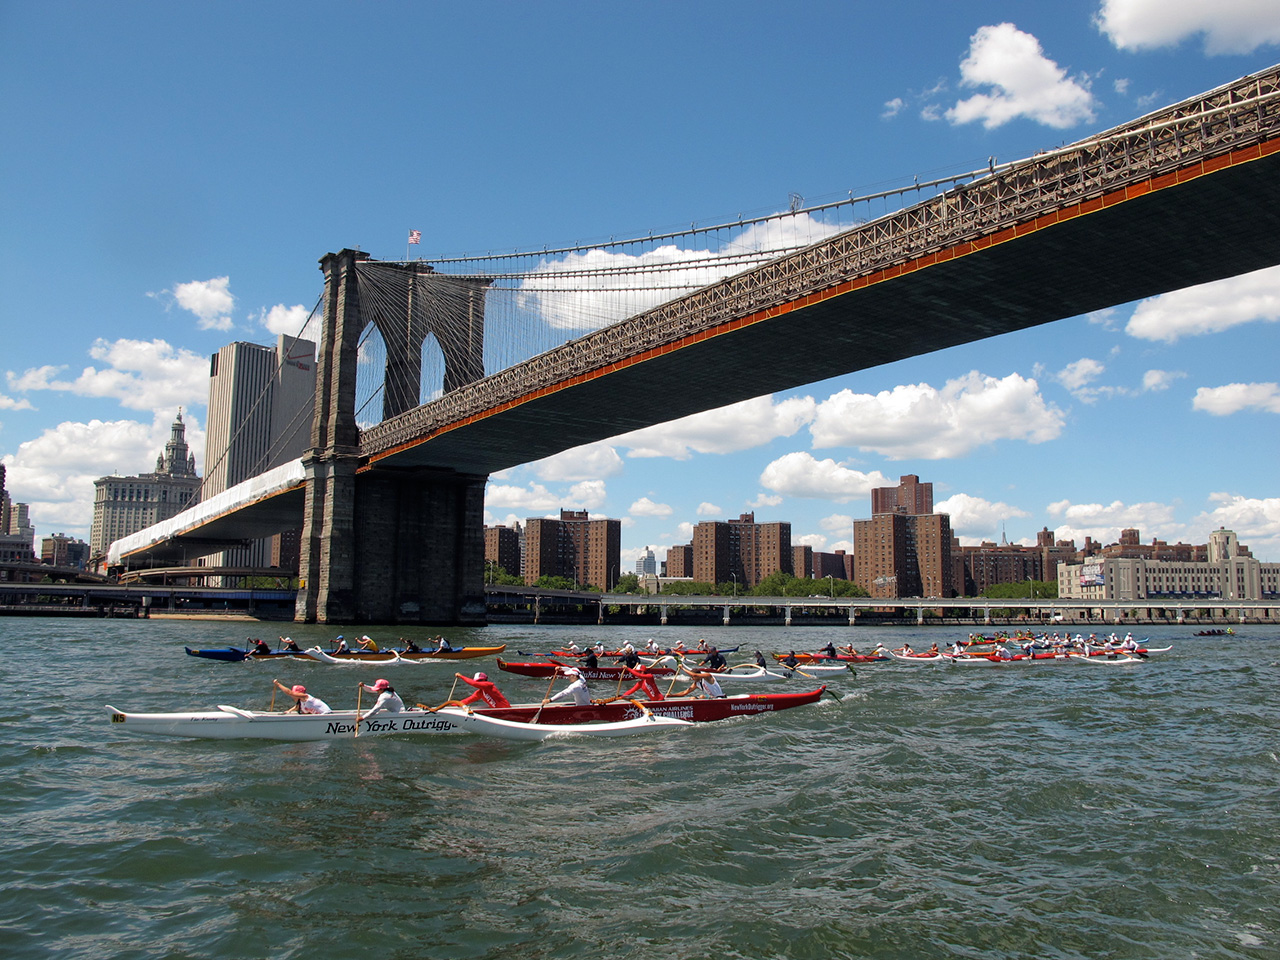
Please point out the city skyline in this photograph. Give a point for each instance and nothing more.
(1157, 415)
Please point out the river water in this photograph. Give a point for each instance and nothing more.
(1070, 810)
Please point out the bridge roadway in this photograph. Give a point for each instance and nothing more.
(1184, 196)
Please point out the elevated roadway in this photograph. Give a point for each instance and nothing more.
(1184, 196)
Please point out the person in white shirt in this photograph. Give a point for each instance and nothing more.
(303, 701)
(388, 700)
(577, 688)
(703, 683)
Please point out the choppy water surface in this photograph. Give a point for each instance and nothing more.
(1055, 811)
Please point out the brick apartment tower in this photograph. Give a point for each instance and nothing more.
(587, 551)
(904, 550)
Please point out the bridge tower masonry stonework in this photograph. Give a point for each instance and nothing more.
(389, 544)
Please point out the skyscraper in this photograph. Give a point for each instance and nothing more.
(261, 401)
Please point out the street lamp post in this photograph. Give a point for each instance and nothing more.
(735, 585)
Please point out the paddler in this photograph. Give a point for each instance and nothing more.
(287, 644)
(303, 701)
(485, 690)
(646, 681)
(388, 700)
(368, 643)
(577, 687)
(703, 683)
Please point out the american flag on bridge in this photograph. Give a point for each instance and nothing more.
(415, 236)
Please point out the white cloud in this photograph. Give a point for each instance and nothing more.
(1234, 397)
(920, 421)
(800, 475)
(533, 499)
(624, 282)
(588, 462)
(1155, 381)
(764, 500)
(138, 374)
(1103, 522)
(1209, 307)
(536, 499)
(892, 107)
(1255, 521)
(816, 541)
(644, 507)
(210, 300)
(54, 473)
(1229, 26)
(1024, 82)
(588, 495)
(837, 523)
(9, 403)
(1083, 371)
(739, 426)
(976, 519)
(295, 321)
(706, 509)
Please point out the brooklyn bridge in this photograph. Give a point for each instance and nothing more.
(492, 361)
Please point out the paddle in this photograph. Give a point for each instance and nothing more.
(272, 708)
(545, 698)
(359, 691)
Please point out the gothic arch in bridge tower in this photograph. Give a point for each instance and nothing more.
(385, 544)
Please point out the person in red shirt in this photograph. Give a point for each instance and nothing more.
(646, 681)
(485, 690)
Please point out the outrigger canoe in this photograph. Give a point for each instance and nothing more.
(595, 719)
(234, 655)
(640, 651)
(227, 723)
(841, 657)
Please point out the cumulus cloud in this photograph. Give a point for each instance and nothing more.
(1080, 373)
(892, 107)
(1154, 381)
(1256, 522)
(1022, 82)
(739, 426)
(1103, 522)
(974, 519)
(1209, 307)
(644, 507)
(923, 422)
(138, 374)
(295, 321)
(706, 509)
(54, 472)
(536, 499)
(9, 403)
(1228, 26)
(588, 462)
(624, 282)
(1234, 397)
(764, 500)
(800, 475)
(210, 300)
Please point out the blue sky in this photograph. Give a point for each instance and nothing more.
(173, 172)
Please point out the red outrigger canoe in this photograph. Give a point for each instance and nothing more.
(682, 708)
(843, 657)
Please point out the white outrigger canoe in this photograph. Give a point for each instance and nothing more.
(233, 723)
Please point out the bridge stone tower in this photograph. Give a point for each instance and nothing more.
(386, 544)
